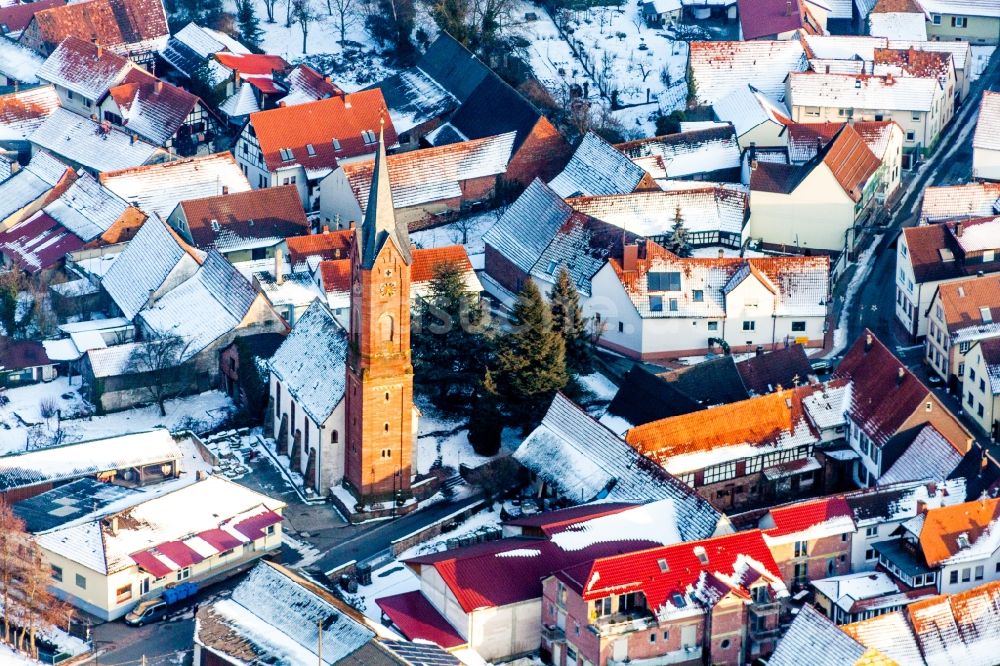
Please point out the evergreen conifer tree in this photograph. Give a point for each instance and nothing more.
(249, 24)
(568, 321)
(678, 242)
(486, 423)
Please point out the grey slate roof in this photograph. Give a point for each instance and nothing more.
(597, 168)
(528, 226)
(311, 362)
(815, 640)
(453, 67)
(585, 460)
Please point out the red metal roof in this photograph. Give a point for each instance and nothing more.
(180, 553)
(417, 619)
(803, 515)
(149, 562)
(253, 527)
(38, 243)
(253, 64)
(219, 539)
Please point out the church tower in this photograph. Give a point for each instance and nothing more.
(379, 410)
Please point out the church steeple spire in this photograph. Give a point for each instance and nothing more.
(380, 216)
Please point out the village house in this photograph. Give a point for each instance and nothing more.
(305, 252)
(193, 46)
(982, 361)
(740, 454)
(713, 601)
(306, 624)
(812, 633)
(960, 202)
(888, 405)
(899, 19)
(861, 596)
(653, 304)
(986, 141)
(105, 564)
(719, 68)
(427, 184)
(488, 596)
(757, 119)
(21, 113)
(135, 29)
(973, 22)
(15, 17)
(921, 105)
(242, 226)
(659, 13)
(820, 204)
(82, 73)
(29, 189)
(712, 214)
(18, 65)
(250, 82)
(301, 145)
(97, 147)
(810, 540)
(960, 314)
(933, 255)
(598, 168)
(711, 154)
(157, 189)
(781, 19)
(24, 362)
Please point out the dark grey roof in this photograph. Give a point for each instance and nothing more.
(69, 502)
(905, 558)
(763, 374)
(413, 97)
(454, 67)
(815, 640)
(525, 230)
(712, 382)
(419, 654)
(181, 56)
(644, 397)
(495, 108)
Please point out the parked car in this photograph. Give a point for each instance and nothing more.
(152, 610)
(821, 366)
(934, 380)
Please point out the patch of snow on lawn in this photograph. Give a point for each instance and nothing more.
(475, 226)
(447, 439)
(10, 658)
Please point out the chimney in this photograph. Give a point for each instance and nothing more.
(149, 298)
(326, 228)
(113, 524)
(201, 475)
(630, 257)
(983, 464)
(100, 51)
(722, 253)
(159, 86)
(225, 189)
(279, 269)
(921, 506)
(979, 274)
(958, 229)
(868, 342)
(900, 376)
(788, 7)
(351, 224)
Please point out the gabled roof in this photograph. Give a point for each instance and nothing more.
(901, 501)
(674, 577)
(44, 176)
(960, 202)
(205, 41)
(158, 188)
(93, 145)
(686, 153)
(244, 219)
(746, 108)
(294, 129)
(748, 428)
(311, 362)
(453, 67)
(21, 354)
(705, 207)
(21, 113)
(84, 68)
(324, 246)
(87, 208)
(851, 161)
(712, 382)
(811, 633)
(808, 520)
(257, 69)
(914, 63)
(935, 251)
(431, 174)
(477, 118)
(16, 17)
(597, 168)
(584, 460)
(890, 634)
(898, 25)
(413, 97)
(305, 84)
(766, 18)
(115, 24)
(960, 532)
(18, 62)
(861, 91)
(644, 397)
(807, 139)
(783, 367)
(987, 136)
(152, 108)
(528, 225)
(721, 67)
(37, 243)
(922, 453)
(962, 628)
(972, 306)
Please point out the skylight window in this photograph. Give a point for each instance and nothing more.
(310, 150)
(699, 551)
(986, 314)
(336, 143)
(663, 565)
(215, 225)
(368, 137)
(678, 600)
(286, 154)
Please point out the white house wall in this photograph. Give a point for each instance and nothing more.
(337, 203)
(986, 164)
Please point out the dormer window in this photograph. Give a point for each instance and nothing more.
(678, 600)
(286, 154)
(700, 553)
(368, 137)
(310, 150)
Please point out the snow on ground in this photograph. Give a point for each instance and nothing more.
(865, 263)
(599, 385)
(644, 65)
(10, 658)
(21, 421)
(473, 227)
(448, 439)
(980, 60)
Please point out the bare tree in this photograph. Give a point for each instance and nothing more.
(11, 564)
(645, 71)
(269, 5)
(304, 15)
(345, 15)
(160, 361)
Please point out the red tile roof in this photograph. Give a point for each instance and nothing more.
(916, 62)
(851, 161)
(963, 302)
(317, 124)
(897, 7)
(152, 108)
(304, 81)
(111, 23)
(939, 535)
(418, 620)
(16, 17)
(763, 18)
(327, 245)
(741, 558)
(800, 516)
(336, 274)
(273, 212)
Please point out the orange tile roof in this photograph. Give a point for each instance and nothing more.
(111, 23)
(915, 62)
(897, 7)
(963, 300)
(426, 260)
(760, 420)
(273, 212)
(851, 161)
(327, 245)
(336, 275)
(317, 124)
(943, 526)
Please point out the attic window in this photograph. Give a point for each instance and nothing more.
(678, 600)
(215, 225)
(368, 136)
(857, 83)
(985, 313)
(336, 143)
(699, 551)
(663, 565)
(286, 154)
(310, 150)
(552, 268)
(670, 281)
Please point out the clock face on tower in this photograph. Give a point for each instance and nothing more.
(387, 289)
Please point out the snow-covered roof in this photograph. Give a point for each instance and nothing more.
(720, 67)
(962, 628)
(813, 634)
(119, 541)
(30, 183)
(84, 68)
(985, 8)
(158, 188)
(861, 92)
(898, 25)
(987, 135)
(311, 362)
(243, 102)
(305, 84)
(414, 97)
(73, 461)
(960, 201)
(89, 144)
(583, 459)
(86, 208)
(651, 214)
(205, 41)
(37, 243)
(115, 360)
(151, 108)
(21, 113)
(845, 590)
(826, 406)
(597, 168)
(144, 265)
(960, 51)
(219, 295)
(929, 456)
(528, 225)
(686, 154)
(273, 616)
(843, 47)
(18, 62)
(746, 108)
